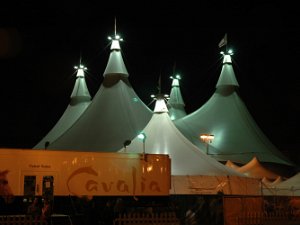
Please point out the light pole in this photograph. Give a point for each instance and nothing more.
(142, 136)
(207, 138)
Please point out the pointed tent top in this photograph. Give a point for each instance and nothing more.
(227, 76)
(80, 91)
(175, 82)
(160, 104)
(176, 104)
(115, 63)
(80, 70)
(115, 44)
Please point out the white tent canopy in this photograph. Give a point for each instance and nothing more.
(115, 115)
(236, 135)
(80, 99)
(162, 137)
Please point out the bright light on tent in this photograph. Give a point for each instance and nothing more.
(178, 77)
(109, 38)
(81, 67)
(149, 168)
(207, 137)
(230, 52)
(142, 136)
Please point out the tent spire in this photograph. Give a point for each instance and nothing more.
(159, 84)
(115, 64)
(227, 77)
(174, 67)
(115, 26)
(160, 99)
(115, 45)
(80, 69)
(176, 104)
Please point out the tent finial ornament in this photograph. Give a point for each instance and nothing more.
(116, 37)
(115, 26)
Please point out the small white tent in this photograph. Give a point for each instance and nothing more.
(289, 187)
(255, 169)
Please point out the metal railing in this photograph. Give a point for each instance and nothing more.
(163, 218)
(263, 218)
(21, 220)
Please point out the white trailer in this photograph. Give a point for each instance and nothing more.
(27, 172)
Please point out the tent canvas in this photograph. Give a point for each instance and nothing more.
(116, 113)
(162, 137)
(236, 135)
(289, 187)
(79, 101)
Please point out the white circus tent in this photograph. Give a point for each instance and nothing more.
(237, 137)
(115, 115)
(187, 161)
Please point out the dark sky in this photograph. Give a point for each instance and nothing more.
(40, 44)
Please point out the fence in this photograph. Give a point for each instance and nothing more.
(163, 218)
(263, 218)
(21, 220)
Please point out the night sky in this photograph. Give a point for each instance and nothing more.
(40, 44)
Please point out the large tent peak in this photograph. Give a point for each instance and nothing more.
(80, 70)
(160, 104)
(227, 77)
(175, 82)
(115, 42)
(115, 64)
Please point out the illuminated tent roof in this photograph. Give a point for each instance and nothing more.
(80, 99)
(162, 137)
(256, 170)
(116, 113)
(175, 103)
(236, 135)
